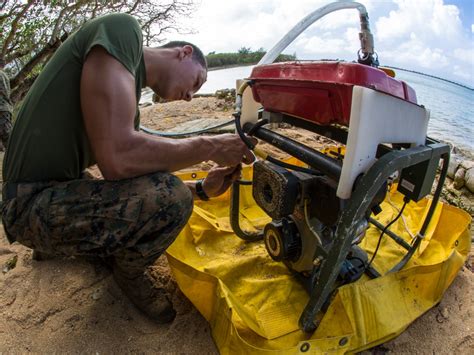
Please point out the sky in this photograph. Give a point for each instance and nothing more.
(430, 36)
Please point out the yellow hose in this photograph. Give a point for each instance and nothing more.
(242, 88)
(260, 153)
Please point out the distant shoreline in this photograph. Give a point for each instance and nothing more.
(230, 66)
(431, 76)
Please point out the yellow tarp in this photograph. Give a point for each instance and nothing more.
(253, 303)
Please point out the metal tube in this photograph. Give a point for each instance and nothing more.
(392, 235)
(313, 158)
(331, 132)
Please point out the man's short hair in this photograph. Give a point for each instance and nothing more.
(197, 56)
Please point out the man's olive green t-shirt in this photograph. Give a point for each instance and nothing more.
(49, 140)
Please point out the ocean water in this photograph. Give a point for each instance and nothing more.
(451, 106)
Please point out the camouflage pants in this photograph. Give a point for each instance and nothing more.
(133, 220)
(5, 127)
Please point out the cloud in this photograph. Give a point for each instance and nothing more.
(461, 73)
(431, 18)
(465, 55)
(229, 25)
(322, 45)
(425, 35)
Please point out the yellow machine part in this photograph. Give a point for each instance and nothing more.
(253, 303)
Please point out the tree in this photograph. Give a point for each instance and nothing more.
(244, 50)
(32, 30)
(244, 56)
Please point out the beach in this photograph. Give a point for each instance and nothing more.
(72, 305)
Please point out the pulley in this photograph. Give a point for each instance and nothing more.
(282, 240)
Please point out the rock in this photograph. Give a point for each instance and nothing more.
(450, 188)
(453, 165)
(469, 179)
(10, 264)
(442, 315)
(444, 312)
(467, 164)
(202, 95)
(145, 104)
(459, 178)
(97, 294)
(227, 94)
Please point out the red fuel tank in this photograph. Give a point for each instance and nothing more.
(320, 91)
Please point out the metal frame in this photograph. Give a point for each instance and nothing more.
(355, 208)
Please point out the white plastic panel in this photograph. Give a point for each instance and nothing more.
(377, 118)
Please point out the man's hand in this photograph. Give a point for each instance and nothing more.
(230, 150)
(220, 178)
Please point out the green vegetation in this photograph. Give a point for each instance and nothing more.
(32, 30)
(244, 56)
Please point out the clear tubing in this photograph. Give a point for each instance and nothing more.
(273, 53)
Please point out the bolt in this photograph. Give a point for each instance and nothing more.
(317, 261)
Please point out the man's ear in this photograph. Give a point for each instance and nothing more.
(185, 51)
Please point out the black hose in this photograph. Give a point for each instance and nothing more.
(256, 126)
(383, 232)
(235, 212)
(293, 167)
(439, 187)
(183, 134)
(269, 158)
(241, 133)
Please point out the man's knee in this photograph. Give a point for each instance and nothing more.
(179, 201)
(167, 198)
(167, 204)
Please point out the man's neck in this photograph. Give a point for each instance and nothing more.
(157, 63)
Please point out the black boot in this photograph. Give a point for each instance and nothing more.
(137, 284)
(41, 256)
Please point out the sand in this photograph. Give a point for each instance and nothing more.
(73, 305)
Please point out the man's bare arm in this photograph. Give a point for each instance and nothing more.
(109, 105)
